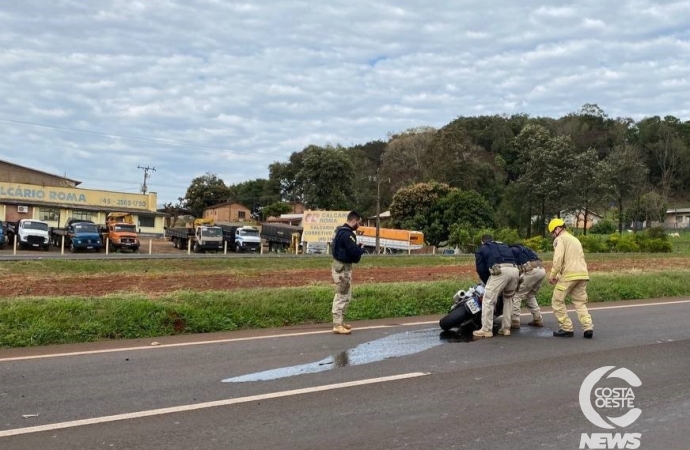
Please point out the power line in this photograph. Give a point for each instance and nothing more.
(134, 138)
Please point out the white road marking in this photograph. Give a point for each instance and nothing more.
(206, 405)
(304, 333)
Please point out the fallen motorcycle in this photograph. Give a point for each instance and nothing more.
(466, 312)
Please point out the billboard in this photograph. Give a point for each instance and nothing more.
(318, 226)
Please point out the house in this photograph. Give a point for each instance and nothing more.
(228, 212)
(677, 218)
(576, 218)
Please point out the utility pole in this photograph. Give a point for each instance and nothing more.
(377, 179)
(146, 176)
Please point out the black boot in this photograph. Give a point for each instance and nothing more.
(562, 333)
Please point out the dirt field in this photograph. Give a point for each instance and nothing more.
(154, 285)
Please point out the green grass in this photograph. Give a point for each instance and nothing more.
(43, 321)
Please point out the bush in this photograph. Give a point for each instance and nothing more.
(656, 246)
(539, 244)
(624, 244)
(593, 244)
(604, 227)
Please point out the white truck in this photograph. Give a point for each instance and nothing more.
(29, 233)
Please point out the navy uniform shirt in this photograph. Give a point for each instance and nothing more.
(490, 253)
(345, 248)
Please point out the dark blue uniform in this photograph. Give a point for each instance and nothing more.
(345, 248)
(491, 253)
(523, 254)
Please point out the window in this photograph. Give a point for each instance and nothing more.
(147, 221)
(48, 214)
(240, 214)
(82, 215)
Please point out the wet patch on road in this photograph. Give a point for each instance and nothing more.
(393, 346)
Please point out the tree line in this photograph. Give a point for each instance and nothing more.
(486, 171)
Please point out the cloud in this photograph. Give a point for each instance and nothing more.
(228, 88)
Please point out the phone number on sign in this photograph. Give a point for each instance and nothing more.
(123, 202)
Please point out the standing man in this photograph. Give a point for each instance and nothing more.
(497, 268)
(569, 274)
(346, 252)
(533, 275)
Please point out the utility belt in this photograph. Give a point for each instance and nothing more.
(496, 268)
(531, 265)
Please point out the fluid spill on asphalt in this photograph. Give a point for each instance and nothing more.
(393, 346)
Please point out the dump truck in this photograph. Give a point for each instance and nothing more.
(241, 238)
(391, 240)
(281, 237)
(28, 233)
(120, 232)
(202, 234)
(78, 234)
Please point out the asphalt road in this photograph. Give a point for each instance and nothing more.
(392, 384)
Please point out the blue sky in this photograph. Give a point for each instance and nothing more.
(94, 89)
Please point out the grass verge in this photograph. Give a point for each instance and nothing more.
(43, 321)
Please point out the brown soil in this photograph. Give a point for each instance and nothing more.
(154, 285)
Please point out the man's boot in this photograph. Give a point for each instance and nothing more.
(481, 334)
(536, 323)
(340, 329)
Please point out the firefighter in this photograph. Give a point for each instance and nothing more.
(497, 268)
(346, 252)
(532, 276)
(570, 277)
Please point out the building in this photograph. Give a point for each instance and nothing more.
(27, 193)
(677, 218)
(576, 219)
(228, 212)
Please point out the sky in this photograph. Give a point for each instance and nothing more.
(94, 90)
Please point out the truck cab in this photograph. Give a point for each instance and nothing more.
(79, 235)
(247, 239)
(29, 233)
(120, 232)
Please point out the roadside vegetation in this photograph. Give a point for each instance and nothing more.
(33, 321)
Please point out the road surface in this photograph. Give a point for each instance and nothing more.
(392, 384)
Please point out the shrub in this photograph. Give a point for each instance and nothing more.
(656, 246)
(603, 227)
(539, 244)
(626, 244)
(593, 244)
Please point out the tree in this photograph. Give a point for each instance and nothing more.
(275, 210)
(625, 174)
(205, 191)
(326, 178)
(547, 163)
(403, 159)
(254, 194)
(414, 208)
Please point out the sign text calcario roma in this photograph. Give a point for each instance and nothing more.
(49, 194)
(318, 226)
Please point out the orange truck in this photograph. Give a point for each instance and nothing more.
(390, 240)
(120, 232)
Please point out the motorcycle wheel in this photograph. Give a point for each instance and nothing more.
(455, 318)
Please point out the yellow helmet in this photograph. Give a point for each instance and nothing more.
(556, 222)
